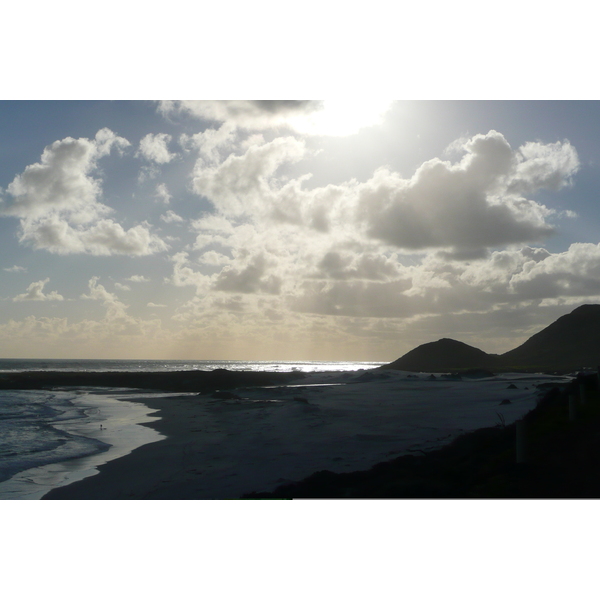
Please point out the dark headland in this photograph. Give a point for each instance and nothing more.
(569, 344)
(562, 458)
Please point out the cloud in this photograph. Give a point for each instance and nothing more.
(122, 287)
(471, 205)
(153, 305)
(154, 148)
(355, 298)
(60, 182)
(573, 273)
(249, 279)
(104, 238)
(248, 114)
(246, 274)
(345, 265)
(240, 184)
(212, 229)
(116, 318)
(138, 279)
(506, 280)
(497, 271)
(171, 217)
(549, 166)
(214, 258)
(57, 199)
(210, 143)
(463, 208)
(35, 292)
(15, 269)
(162, 193)
(184, 275)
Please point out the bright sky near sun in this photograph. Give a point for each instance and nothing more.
(292, 229)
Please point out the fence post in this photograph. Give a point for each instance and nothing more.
(521, 445)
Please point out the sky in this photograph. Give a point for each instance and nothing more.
(378, 251)
(292, 230)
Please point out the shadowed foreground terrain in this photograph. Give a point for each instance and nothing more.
(562, 460)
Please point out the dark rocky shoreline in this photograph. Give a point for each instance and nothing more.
(562, 460)
(168, 381)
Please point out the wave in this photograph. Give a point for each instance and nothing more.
(30, 433)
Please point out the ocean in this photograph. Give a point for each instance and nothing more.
(34, 364)
(52, 438)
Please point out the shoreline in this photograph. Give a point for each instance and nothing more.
(197, 462)
(121, 431)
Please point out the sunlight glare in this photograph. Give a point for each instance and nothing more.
(343, 117)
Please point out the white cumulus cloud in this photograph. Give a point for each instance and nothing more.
(35, 292)
(464, 208)
(171, 217)
(471, 205)
(58, 199)
(162, 193)
(575, 272)
(155, 148)
(242, 184)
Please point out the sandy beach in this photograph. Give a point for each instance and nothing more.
(254, 439)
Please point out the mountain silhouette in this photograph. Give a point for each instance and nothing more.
(572, 342)
(444, 355)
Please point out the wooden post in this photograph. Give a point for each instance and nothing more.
(572, 407)
(521, 445)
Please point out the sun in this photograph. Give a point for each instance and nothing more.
(343, 117)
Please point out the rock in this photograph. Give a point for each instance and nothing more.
(505, 402)
(512, 386)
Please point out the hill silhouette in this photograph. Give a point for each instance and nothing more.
(572, 342)
(444, 355)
